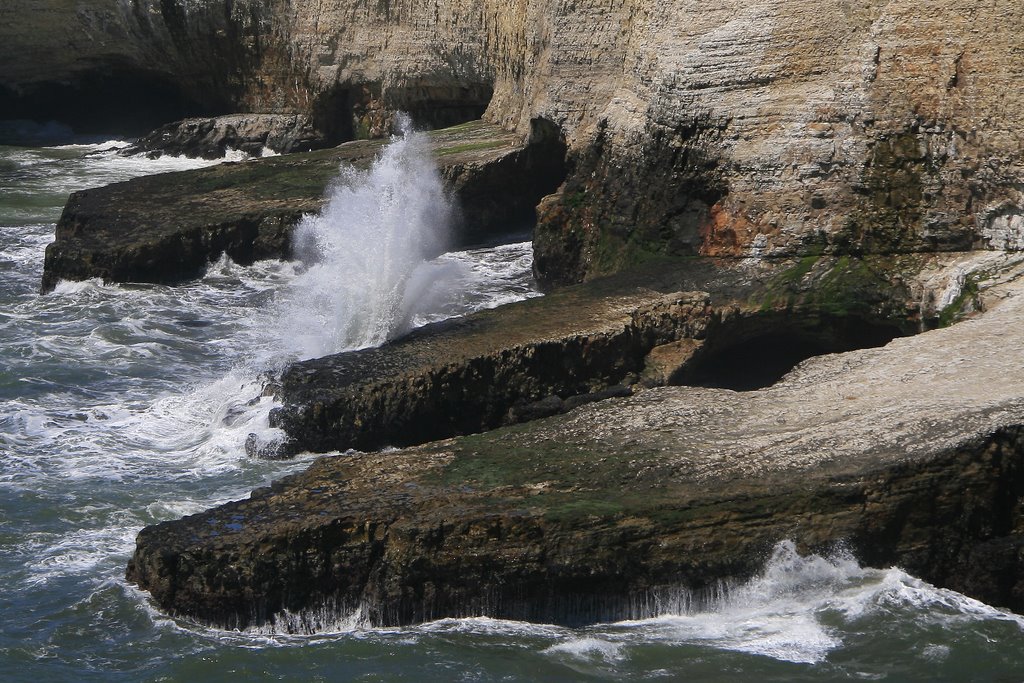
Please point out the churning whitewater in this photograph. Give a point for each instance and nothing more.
(122, 406)
(366, 255)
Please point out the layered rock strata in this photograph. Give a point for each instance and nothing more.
(167, 228)
(911, 454)
(744, 129)
(609, 336)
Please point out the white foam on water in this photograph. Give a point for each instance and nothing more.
(235, 155)
(949, 609)
(489, 626)
(77, 287)
(789, 611)
(79, 553)
(317, 626)
(936, 653)
(473, 279)
(105, 146)
(55, 172)
(589, 648)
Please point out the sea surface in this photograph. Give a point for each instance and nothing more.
(126, 405)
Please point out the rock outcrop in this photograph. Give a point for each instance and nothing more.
(610, 336)
(843, 141)
(213, 138)
(167, 228)
(911, 454)
(536, 358)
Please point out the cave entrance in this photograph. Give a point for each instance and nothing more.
(499, 203)
(756, 352)
(107, 102)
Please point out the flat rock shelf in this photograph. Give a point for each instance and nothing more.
(911, 453)
(166, 228)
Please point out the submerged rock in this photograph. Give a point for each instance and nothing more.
(911, 454)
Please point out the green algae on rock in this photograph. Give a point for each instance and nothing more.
(167, 228)
(911, 454)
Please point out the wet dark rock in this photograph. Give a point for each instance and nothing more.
(495, 367)
(571, 535)
(910, 454)
(584, 343)
(212, 138)
(166, 228)
(264, 449)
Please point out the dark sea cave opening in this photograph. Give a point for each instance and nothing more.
(100, 104)
(352, 111)
(756, 352)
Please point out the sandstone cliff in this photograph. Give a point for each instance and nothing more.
(826, 132)
(741, 129)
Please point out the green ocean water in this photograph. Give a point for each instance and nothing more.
(121, 406)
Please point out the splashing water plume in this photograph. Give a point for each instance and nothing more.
(366, 254)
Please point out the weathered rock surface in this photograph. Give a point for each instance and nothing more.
(212, 138)
(743, 129)
(167, 228)
(544, 356)
(751, 323)
(912, 454)
(757, 130)
(492, 368)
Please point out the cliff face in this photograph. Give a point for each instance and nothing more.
(776, 128)
(747, 128)
(201, 56)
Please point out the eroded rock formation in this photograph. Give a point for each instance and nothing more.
(911, 454)
(609, 336)
(832, 143)
(492, 368)
(167, 228)
(213, 138)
